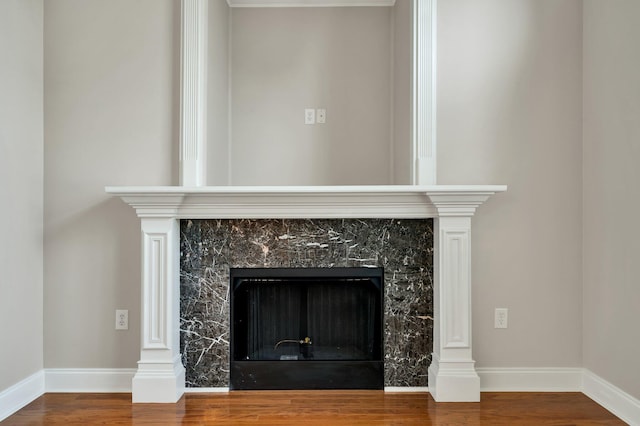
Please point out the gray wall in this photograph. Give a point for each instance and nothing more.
(402, 86)
(510, 112)
(287, 59)
(21, 145)
(111, 107)
(512, 70)
(611, 177)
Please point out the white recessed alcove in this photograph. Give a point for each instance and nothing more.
(248, 72)
(261, 63)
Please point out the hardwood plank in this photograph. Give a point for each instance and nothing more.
(309, 408)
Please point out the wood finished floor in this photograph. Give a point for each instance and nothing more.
(308, 408)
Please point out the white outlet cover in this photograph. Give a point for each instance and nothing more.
(309, 116)
(501, 318)
(122, 319)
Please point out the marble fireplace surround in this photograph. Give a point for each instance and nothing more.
(161, 377)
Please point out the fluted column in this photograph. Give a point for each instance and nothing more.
(424, 92)
(193, 93)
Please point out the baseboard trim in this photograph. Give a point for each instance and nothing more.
(111, 380)
(21, 394)
(611, 397)
(388, 389)
(108, 380)
(530, 379)
(206, 390)
(406, 389)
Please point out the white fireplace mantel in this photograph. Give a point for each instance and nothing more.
(286, 202)
(160, 376)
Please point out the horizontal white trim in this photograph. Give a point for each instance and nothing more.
(530, 379)
(112, 380)
(206, 390)
(309, 3)
(302, 190)
(389, 389)
(21, 394)
(406, 389)
(289, 202)
(611, 397)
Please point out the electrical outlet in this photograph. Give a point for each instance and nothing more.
(501, 318)
(309, 116)
(122, 319)
(321, 116)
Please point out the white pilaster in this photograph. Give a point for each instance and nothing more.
(424, 92)
(193, 93)
(452, 374)
(160, 376)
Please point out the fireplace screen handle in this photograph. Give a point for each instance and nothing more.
(304, 345)
(305, 341)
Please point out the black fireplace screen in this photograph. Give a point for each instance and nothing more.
(306, 328)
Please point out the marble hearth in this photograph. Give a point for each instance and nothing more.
(161, 375)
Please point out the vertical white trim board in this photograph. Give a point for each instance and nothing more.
(21, 394)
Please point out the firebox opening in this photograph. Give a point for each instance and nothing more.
(306, 328)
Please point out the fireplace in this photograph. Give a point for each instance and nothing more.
(160, 376)
(306, 328)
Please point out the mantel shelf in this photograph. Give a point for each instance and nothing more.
(246, 202)
(309, 3)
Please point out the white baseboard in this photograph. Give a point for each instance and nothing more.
(582, 380)
(22, 393)
(111, 380)
(390, 389)
(612, 398)
(115, 380)
(530, 379)
(206, 390)
(406, 389)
